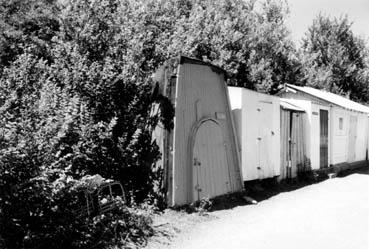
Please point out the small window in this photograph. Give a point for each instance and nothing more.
(340, 123)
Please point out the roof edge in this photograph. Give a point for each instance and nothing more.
(297, 88)
(188, 60)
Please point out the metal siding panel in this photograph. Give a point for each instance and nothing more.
(339, 143)
(294, 147)
(198, 82)
(284, 152)
(233, 147)
(361, 138)
(260, 124)
(298, 144)
(352, 139)
(212, 174)
(266, 143)
(295, 151)
(179, 194)
(237, 117)
(310, 128)
(249, 143)
(276, 137)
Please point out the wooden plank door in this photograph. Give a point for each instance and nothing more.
(210, 165)
(352, 139)
(323, 138)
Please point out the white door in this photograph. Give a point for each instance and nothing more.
(266, 133)
(352, 139)
(210, 166)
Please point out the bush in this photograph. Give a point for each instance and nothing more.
(75, 98)
(41, 215)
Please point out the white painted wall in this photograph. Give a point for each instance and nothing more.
(315, 135)
(361, 137)
(339, 135)
(258, 128)
(235, 97)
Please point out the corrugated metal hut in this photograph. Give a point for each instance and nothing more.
(257, 121)
(336, 127)
(293, 148)
(199, 155)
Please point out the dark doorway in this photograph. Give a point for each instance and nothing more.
(323, 139)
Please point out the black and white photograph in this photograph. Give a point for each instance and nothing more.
(184, 124)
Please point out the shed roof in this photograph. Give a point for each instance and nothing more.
(286, 104)
(332, 98)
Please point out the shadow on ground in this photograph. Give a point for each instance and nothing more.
(261, 190)
(362, 170)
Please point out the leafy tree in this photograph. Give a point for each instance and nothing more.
(335, 59)
(252, 46)
(75, 95)
(27, 25)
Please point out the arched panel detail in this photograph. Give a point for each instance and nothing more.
(209, 166)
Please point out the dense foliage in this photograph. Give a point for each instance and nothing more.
(75, 97)
(335, 59)
(252, 44)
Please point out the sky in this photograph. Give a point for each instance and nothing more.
(302, 13)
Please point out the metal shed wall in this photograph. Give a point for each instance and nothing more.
(201, 95)
(348, 131)
(349, 144)
(293, 147)
(340, 135)
(312, 127)
(361, 138)
(258, 129)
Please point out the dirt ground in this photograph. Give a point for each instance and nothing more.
(332, 214)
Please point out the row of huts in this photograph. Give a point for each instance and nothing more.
(223, 136)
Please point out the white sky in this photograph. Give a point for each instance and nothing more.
(302, 13)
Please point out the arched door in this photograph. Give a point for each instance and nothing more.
(210, 166)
